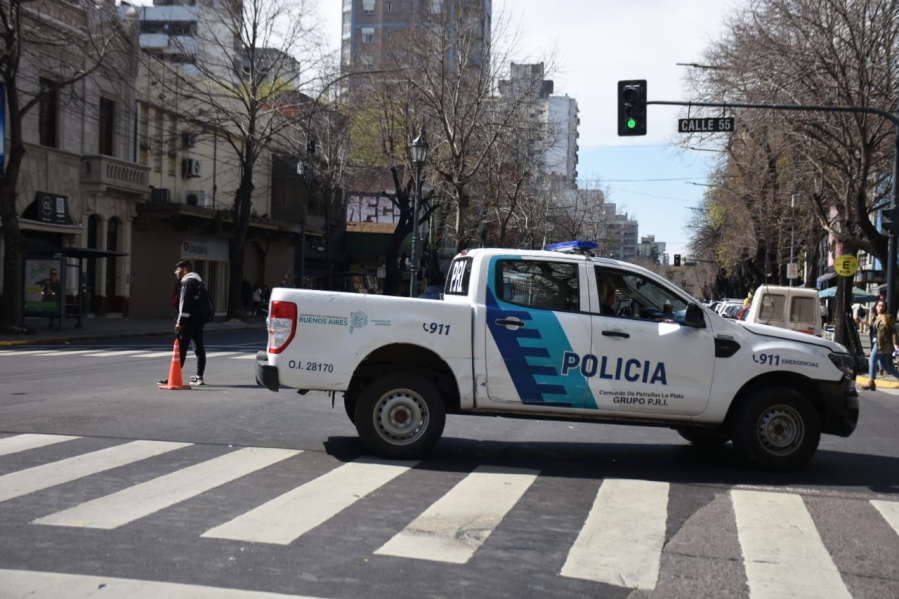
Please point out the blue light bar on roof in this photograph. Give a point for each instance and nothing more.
(572, 246)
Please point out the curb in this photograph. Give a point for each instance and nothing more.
(880, 383)
(44, 341)
(114, 335)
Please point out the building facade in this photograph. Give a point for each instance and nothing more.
(79, 185)
(652, 250)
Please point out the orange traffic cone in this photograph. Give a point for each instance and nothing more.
(175, 383)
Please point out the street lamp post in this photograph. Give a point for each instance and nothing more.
(304, 167)
(419, 156)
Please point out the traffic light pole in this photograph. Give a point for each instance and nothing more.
(892, 249)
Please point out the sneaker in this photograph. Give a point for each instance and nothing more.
(163, 382)
(197, 380)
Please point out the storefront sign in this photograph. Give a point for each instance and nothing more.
(52, 208)
(204, 248)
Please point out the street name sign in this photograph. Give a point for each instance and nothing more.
(711, 125)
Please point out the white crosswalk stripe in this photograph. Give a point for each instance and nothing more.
(154, 354)
(146, 498)
(284, 519)
(50, 585)
(49, 475)
(782, 551)
(890, 512)
(132, 353)
(621, 541)
(767, 540)
(18, 443)
(453, 528)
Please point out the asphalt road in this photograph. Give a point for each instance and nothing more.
(107, 482)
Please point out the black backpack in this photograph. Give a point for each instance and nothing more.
(206, 304)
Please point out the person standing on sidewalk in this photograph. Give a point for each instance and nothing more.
(189, 324)
(884, 328)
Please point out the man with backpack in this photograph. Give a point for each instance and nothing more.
(194, 309)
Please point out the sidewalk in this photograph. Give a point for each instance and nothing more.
(111, 328)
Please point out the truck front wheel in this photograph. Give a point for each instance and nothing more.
(704, 438)
(400, 415)
(776, 429)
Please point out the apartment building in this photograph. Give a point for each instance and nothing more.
(372, 28)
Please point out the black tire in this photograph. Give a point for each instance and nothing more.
(349, 404)
(400, 415)
(776, 429)
(705, 438)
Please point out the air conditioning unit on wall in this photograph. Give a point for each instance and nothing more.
(197, 198)
(190, 168)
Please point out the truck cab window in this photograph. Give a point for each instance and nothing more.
(539, 284)
(637, 297)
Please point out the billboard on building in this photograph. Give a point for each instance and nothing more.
(44, 287)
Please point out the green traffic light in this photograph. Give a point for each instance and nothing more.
(631, 123)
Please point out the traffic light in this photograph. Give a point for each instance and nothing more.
(677, 259)
(888, 220)
(632, 107)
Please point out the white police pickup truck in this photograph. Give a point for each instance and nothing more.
(559, 335)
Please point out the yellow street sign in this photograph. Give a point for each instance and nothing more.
(846, 265)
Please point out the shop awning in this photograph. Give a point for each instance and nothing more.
(823, 279)
(80, 253)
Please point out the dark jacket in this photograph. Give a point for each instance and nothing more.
(189, 306)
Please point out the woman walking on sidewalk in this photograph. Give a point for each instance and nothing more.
(884, 327)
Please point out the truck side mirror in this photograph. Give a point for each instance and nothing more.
(694, 317)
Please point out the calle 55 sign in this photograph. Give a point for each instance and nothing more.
(712, 125)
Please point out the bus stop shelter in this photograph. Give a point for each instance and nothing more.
(46, 280)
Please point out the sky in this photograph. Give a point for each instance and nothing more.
(596, 44)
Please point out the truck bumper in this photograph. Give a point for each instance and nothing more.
(840, 407)
(266, 375)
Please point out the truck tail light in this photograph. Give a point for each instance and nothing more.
(282, 325)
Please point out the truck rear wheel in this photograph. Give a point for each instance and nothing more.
(776, 429)
(400, 415)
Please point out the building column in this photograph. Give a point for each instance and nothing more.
(99, 282)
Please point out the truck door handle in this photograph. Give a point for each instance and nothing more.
(510, 322)
(616, 334)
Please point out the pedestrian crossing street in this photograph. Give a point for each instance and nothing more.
(621, 542)
(100, 352)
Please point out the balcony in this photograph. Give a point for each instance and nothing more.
(102, 173)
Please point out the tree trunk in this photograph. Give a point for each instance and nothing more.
(12, 307)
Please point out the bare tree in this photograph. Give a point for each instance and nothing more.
(450, 66)
(245, 82)
(811, 52)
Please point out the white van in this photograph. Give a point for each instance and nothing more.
(793, 308)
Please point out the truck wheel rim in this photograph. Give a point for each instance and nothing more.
(401, 417)
(781, 430)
